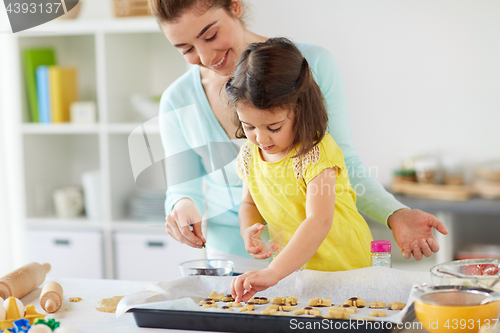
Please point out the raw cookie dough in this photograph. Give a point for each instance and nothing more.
(259, 300)
(209, 305)
(207, 300)
(308, 311)
(286, 300)
(377, 305)
(268, 312)
(227, 298)
(248, 308)
(396, 305)
(356, 301)
(320, 302)
(75, 299)
(336, 314)
(227, 308)
(234, 304)
(108, 304)
(378, 313)
(280, 307)
(216, 297)
(346, 308)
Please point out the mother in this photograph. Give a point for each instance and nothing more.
(198, 133)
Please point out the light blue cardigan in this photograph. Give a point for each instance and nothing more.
(200, 158)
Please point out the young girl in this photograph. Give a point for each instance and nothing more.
(294, 173)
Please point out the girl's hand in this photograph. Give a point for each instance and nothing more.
(249, 235)
(252, 282)
(184, 224)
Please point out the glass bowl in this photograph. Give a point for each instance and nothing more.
(445, 309)
(483, 273)
(211, 267)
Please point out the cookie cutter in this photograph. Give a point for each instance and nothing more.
(12, 315)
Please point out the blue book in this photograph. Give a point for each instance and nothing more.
(42, 88)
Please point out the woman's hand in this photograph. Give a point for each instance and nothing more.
(184, 224)
(255, 250)
(252, 282)
(412, 230)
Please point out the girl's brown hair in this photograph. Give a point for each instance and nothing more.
(172, 10)
(273, 75)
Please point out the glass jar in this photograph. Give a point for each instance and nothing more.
(381, 253)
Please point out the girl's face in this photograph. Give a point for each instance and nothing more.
(213, 40)
(271, 132)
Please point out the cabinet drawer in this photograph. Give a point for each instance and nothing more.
(71, 254)
(150, 257)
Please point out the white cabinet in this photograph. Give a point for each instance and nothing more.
(150, 256)
(115, 59)
(71, 254)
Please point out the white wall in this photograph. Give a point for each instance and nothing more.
(421, 75)
(6, 263)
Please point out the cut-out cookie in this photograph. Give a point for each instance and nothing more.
(346, 308)
(396, 305)
(356, 301)
(286, 300)
(259, 300)
(234, 304)
(307, 311)
(378, 313)
(280, 307)
(320, 302)
(335, 314)
(216, 297)
(377, 305)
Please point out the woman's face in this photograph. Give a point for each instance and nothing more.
(213, 40)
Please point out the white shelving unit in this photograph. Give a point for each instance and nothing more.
(115, 58)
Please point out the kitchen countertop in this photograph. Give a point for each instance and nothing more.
(475, 205)
(83, 315)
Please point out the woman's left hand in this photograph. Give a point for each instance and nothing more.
(412, 231)
(252, 282)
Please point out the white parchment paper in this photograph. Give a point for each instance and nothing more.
(371, 284)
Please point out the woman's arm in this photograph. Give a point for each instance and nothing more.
(184, 171)
(320, 206)
(411, 228)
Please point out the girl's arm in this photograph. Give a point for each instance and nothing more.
(251, 222)
(320, 206)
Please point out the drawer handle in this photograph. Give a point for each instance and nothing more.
(156, 244)
(62, 242)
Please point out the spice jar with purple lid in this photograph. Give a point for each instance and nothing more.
(381, 253)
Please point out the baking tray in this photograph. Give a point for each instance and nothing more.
(251, 323)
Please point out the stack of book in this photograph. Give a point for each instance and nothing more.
(51, 89)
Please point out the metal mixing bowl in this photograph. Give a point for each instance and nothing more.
(211, 267)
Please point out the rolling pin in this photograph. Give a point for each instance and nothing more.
(23, 280)
(51, 297)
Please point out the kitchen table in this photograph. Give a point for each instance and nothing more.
(83, 315)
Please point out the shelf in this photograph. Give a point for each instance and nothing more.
(60, 129)
(128, 128)
(153, 227)
(55, 223)
(83, 26)
(116, 58)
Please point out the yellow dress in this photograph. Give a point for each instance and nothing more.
(279, 191)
